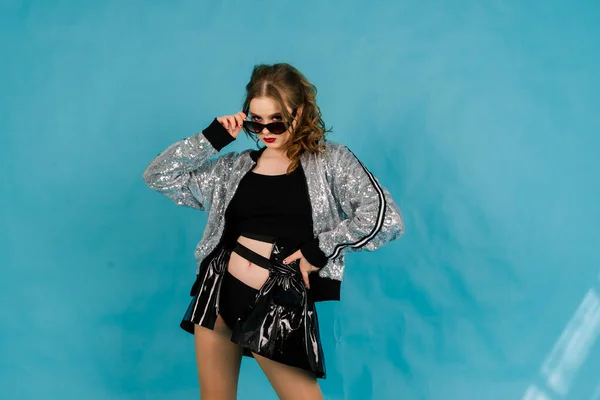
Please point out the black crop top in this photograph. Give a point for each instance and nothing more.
(273, 205)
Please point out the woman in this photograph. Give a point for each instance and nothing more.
(280, 221)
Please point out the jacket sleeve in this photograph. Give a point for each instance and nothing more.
(185, 173)
(372, 217)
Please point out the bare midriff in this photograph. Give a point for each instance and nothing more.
(251, 274)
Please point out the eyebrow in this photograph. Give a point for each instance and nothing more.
(270, 116)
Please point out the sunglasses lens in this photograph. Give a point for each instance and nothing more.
(253, 127)
(277, 128)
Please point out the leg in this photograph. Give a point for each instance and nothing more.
(218, 360)
(290, 383)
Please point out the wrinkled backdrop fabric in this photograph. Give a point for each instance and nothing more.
(481, 118)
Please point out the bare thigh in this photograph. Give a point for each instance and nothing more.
(290, 383)
(218, 360)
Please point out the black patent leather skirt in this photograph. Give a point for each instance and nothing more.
(280, 324)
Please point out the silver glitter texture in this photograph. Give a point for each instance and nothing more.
(351, 210)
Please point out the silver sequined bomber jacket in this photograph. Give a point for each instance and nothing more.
(351, 210)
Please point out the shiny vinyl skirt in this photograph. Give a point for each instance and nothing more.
(281, 324)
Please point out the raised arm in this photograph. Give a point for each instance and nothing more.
(185, 173)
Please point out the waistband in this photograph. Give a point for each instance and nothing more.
(252, 256)
(281, 248)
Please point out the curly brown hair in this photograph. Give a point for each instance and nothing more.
(284, 84)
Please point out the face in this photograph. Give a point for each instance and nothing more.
(265, 110)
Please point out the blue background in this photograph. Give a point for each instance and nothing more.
(480, 117)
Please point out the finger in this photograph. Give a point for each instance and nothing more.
(309, 269)
(305, 278)
(305, 265)
(223, 121)
(242, 116)
(239, 120)
(291, 257)
(232, 122)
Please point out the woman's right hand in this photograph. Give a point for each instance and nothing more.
(233, 123)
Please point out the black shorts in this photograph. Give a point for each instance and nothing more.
(235, 299)
(279, 321)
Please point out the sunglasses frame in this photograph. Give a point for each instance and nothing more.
(269, 126)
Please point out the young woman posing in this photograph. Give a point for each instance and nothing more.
(280, 221)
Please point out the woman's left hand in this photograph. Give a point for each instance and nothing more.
(305, 267)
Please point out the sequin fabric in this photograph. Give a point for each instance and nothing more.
(351, 210)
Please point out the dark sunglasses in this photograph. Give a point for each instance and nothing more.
(276, 128)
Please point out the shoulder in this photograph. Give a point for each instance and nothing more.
(336, 152)
(338, 161)
(332, 145)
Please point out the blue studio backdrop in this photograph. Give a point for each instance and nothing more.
(480, 117)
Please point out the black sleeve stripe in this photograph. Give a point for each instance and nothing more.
(380, 215)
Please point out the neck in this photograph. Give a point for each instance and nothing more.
(275, 153)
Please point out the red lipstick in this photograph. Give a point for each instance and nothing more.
(269, 140)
